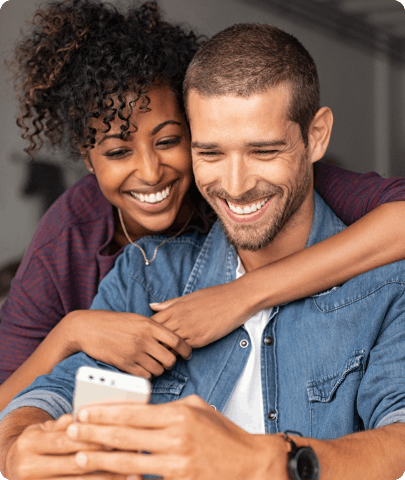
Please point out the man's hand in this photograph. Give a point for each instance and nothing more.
(204, 316)
(187, 439)
(44, 450)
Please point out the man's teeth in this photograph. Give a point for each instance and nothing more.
(153, 197)
(248, 209)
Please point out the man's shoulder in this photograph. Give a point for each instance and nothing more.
(387, 283)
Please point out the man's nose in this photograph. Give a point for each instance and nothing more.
(237, 178)
(149, 168)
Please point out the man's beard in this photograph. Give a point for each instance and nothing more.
(255, 237)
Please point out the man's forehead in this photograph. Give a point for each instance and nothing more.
(259, 117)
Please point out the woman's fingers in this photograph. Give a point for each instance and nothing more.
(167, 337)
(138, 371)
(158, 307)
(161, 354)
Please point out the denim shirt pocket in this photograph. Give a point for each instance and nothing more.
(332, 398)
(168, 387)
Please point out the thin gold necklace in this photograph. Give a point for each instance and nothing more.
(148, 262)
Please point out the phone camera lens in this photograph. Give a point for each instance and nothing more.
(102, 379)
(91, 377)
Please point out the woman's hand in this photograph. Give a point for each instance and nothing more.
(204, 316)
(133, 343)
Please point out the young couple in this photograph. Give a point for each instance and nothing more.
(119, 103)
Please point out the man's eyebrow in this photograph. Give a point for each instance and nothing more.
(162, 125)
(264, 144)
(204, 146)
(260, 144)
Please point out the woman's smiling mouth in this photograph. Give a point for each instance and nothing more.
(152, 197)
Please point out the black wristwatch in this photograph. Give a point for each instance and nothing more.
(302, 463)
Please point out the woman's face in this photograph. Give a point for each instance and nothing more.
(148, 174)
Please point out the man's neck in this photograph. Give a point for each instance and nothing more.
(291, 239)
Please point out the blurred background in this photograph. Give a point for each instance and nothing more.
(359, 49)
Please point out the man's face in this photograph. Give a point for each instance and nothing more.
(250, 163)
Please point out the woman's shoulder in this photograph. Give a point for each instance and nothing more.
(80, 215)
(80, 204)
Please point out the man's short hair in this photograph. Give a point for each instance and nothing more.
(249, 58)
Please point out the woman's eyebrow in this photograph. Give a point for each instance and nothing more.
(113, 135)
(161, 125)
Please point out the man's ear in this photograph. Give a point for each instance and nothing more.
(86, 160)
(319, 133)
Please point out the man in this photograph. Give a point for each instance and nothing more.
(331, 366)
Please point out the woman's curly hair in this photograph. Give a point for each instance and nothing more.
(83, 54)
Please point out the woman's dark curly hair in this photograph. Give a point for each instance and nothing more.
(83, 54)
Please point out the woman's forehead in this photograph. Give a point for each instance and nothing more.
(129, 114)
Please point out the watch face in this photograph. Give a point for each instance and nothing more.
(307, 465)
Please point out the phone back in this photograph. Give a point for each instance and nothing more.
(102, 386)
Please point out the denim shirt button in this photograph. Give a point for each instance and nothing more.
(272, 415)
(244, 343)
(268, 341)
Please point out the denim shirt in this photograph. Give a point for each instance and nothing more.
(336, 364)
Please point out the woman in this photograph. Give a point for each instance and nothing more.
(110, 85)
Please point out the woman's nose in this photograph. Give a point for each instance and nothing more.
(150, 169)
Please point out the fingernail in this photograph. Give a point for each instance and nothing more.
(189, 357)
(81, 459)
(152, 305)
(83, 415)
(72, 431)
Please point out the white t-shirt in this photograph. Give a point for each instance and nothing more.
(245, 405)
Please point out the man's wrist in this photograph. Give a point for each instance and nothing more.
(273, 452)
(302, 462)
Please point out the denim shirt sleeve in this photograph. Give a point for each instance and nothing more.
(381, 396)
(53, 393)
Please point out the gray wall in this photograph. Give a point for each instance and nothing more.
(365, 91)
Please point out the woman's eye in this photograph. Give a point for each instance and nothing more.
(116, 153)
(169, 142)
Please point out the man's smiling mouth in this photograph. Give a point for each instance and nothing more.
(152, 197)
(247, 209)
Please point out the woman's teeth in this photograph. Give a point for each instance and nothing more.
(153, 197)
(248, 209)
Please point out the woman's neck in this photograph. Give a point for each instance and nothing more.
(120, 239)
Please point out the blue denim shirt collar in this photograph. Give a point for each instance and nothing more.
(217, 261)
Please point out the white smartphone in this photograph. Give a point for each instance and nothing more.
(95, 385)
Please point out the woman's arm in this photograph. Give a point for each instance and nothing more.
(373, 241)
(131, 342)
(352, 195)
